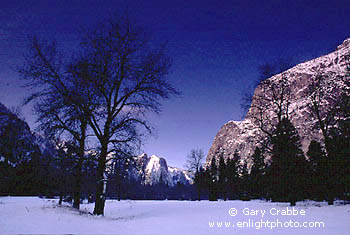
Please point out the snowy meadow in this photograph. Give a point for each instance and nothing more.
(32, 215)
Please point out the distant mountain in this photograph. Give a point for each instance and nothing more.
(17, 142)
(154, 170)
(242, 135)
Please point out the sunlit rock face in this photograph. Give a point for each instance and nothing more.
(243, 135)
(154, 170)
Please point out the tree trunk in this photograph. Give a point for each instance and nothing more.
(330, 201)
(119, 191)
(79, 168)
(61, 199)
(77, 188)
(8, 177)
(100, 194)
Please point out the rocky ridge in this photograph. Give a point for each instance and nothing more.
(241, 135)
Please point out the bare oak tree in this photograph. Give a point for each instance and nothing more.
(266, 71)
(126, 75)
(116, 78)
(270, 106)
(194, 161)
(55, 92)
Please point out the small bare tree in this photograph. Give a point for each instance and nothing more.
(194, 161)
(194, 165)
(266, 71)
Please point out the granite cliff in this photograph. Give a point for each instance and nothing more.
(243, 135)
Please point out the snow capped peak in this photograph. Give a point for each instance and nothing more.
(156, 170)
(155, 163)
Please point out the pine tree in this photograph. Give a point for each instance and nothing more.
(222, 183)
(206, 180)
(232, 167)
(339, 162)
(318, 170)
(257, 173)
(287, 169)
(244, 181)
(213, 183)
(200, 181)
(330, 105)
(343, 143)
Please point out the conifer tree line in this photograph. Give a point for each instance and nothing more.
(278, 169)
(288, 176)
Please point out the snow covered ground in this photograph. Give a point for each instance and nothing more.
(30, 215)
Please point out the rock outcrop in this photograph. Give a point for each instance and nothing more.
(154, 170)
(242, 135)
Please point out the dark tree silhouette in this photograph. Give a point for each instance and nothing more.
(118, 175)
(318, 170)
(257, 172)
(127, 77)
(232, 167)
(287, 170)
(222, 178)
(116, 78)
(339, 149)
(244, 181)
(57, 89)
(17, 150)
(194, 160)
(195, 167)
(270, 106)
(265, 71)
(213, 180)
(328, 102)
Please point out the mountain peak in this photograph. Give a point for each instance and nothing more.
(156, 170)
(346, 43)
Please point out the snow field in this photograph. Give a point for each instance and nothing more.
(31, 215)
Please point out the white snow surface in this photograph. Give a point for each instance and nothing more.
(31, 215)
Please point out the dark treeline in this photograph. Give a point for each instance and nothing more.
(31, 165)
(131, 189)
(288, 176)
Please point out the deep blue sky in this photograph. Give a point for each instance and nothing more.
(216, 47)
